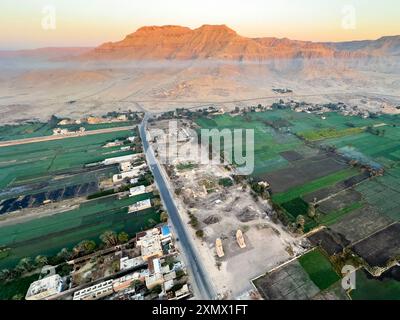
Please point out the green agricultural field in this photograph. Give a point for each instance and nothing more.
(53, 164)
(23, 131)
(328, 133)
(17, 287)
(39, 129)
(319, 269)
(268, 144)
(374, 289)
(48, 235)
(383, 149)
(295, 207)
(33, 162)
(314, 185)
(383, 193)
(334, 217)
(276, 133)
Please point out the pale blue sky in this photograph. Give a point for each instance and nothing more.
(91, 22)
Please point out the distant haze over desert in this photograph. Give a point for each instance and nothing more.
(162, 68)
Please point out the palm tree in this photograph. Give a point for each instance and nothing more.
(5, 274)
(123, 237)
(41, 261)
(84, 247)
(18, 296)
(64, 254)
(164, 216)
(109, 238)
(300, 222)
(311, 210)
(24, 265)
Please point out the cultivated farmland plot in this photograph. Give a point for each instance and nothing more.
(56, 171)
(329, 162)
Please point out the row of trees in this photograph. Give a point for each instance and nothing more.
(312, 213)
(26, 265)
(108, 239)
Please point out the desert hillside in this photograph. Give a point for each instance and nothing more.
(162, 68)
(221, 42)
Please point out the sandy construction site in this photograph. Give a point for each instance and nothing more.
(217, 208)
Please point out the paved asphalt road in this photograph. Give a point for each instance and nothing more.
(204, 288)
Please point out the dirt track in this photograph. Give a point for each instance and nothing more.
(50, 138)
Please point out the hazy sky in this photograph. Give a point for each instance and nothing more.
(92, 22)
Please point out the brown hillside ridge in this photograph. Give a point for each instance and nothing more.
(221, 42)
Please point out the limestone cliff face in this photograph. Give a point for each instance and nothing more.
(221, 42)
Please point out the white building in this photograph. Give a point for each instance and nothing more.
(127, 263)
(134, 181)
(183, 292)
(154, 280)
(170, 276)
(116, 160)
(150, 244)
(137, 190)
(125, 282)
(95, 292)
(122, 117)
(113, 144)
(125, 175)
(44, 288)
(141, 205)
(135, 172)
(168, 284)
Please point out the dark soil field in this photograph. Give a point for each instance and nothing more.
(290, 282)
(361, 223)
(339, 202)
(36, 200)
(381, 247)
(304, 171)
(291, 155)
(330, 242)
(340, 186)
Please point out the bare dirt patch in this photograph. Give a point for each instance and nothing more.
(291, 155)
(361, 223)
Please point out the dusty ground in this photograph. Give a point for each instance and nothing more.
(37, 89)
(221, 212)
